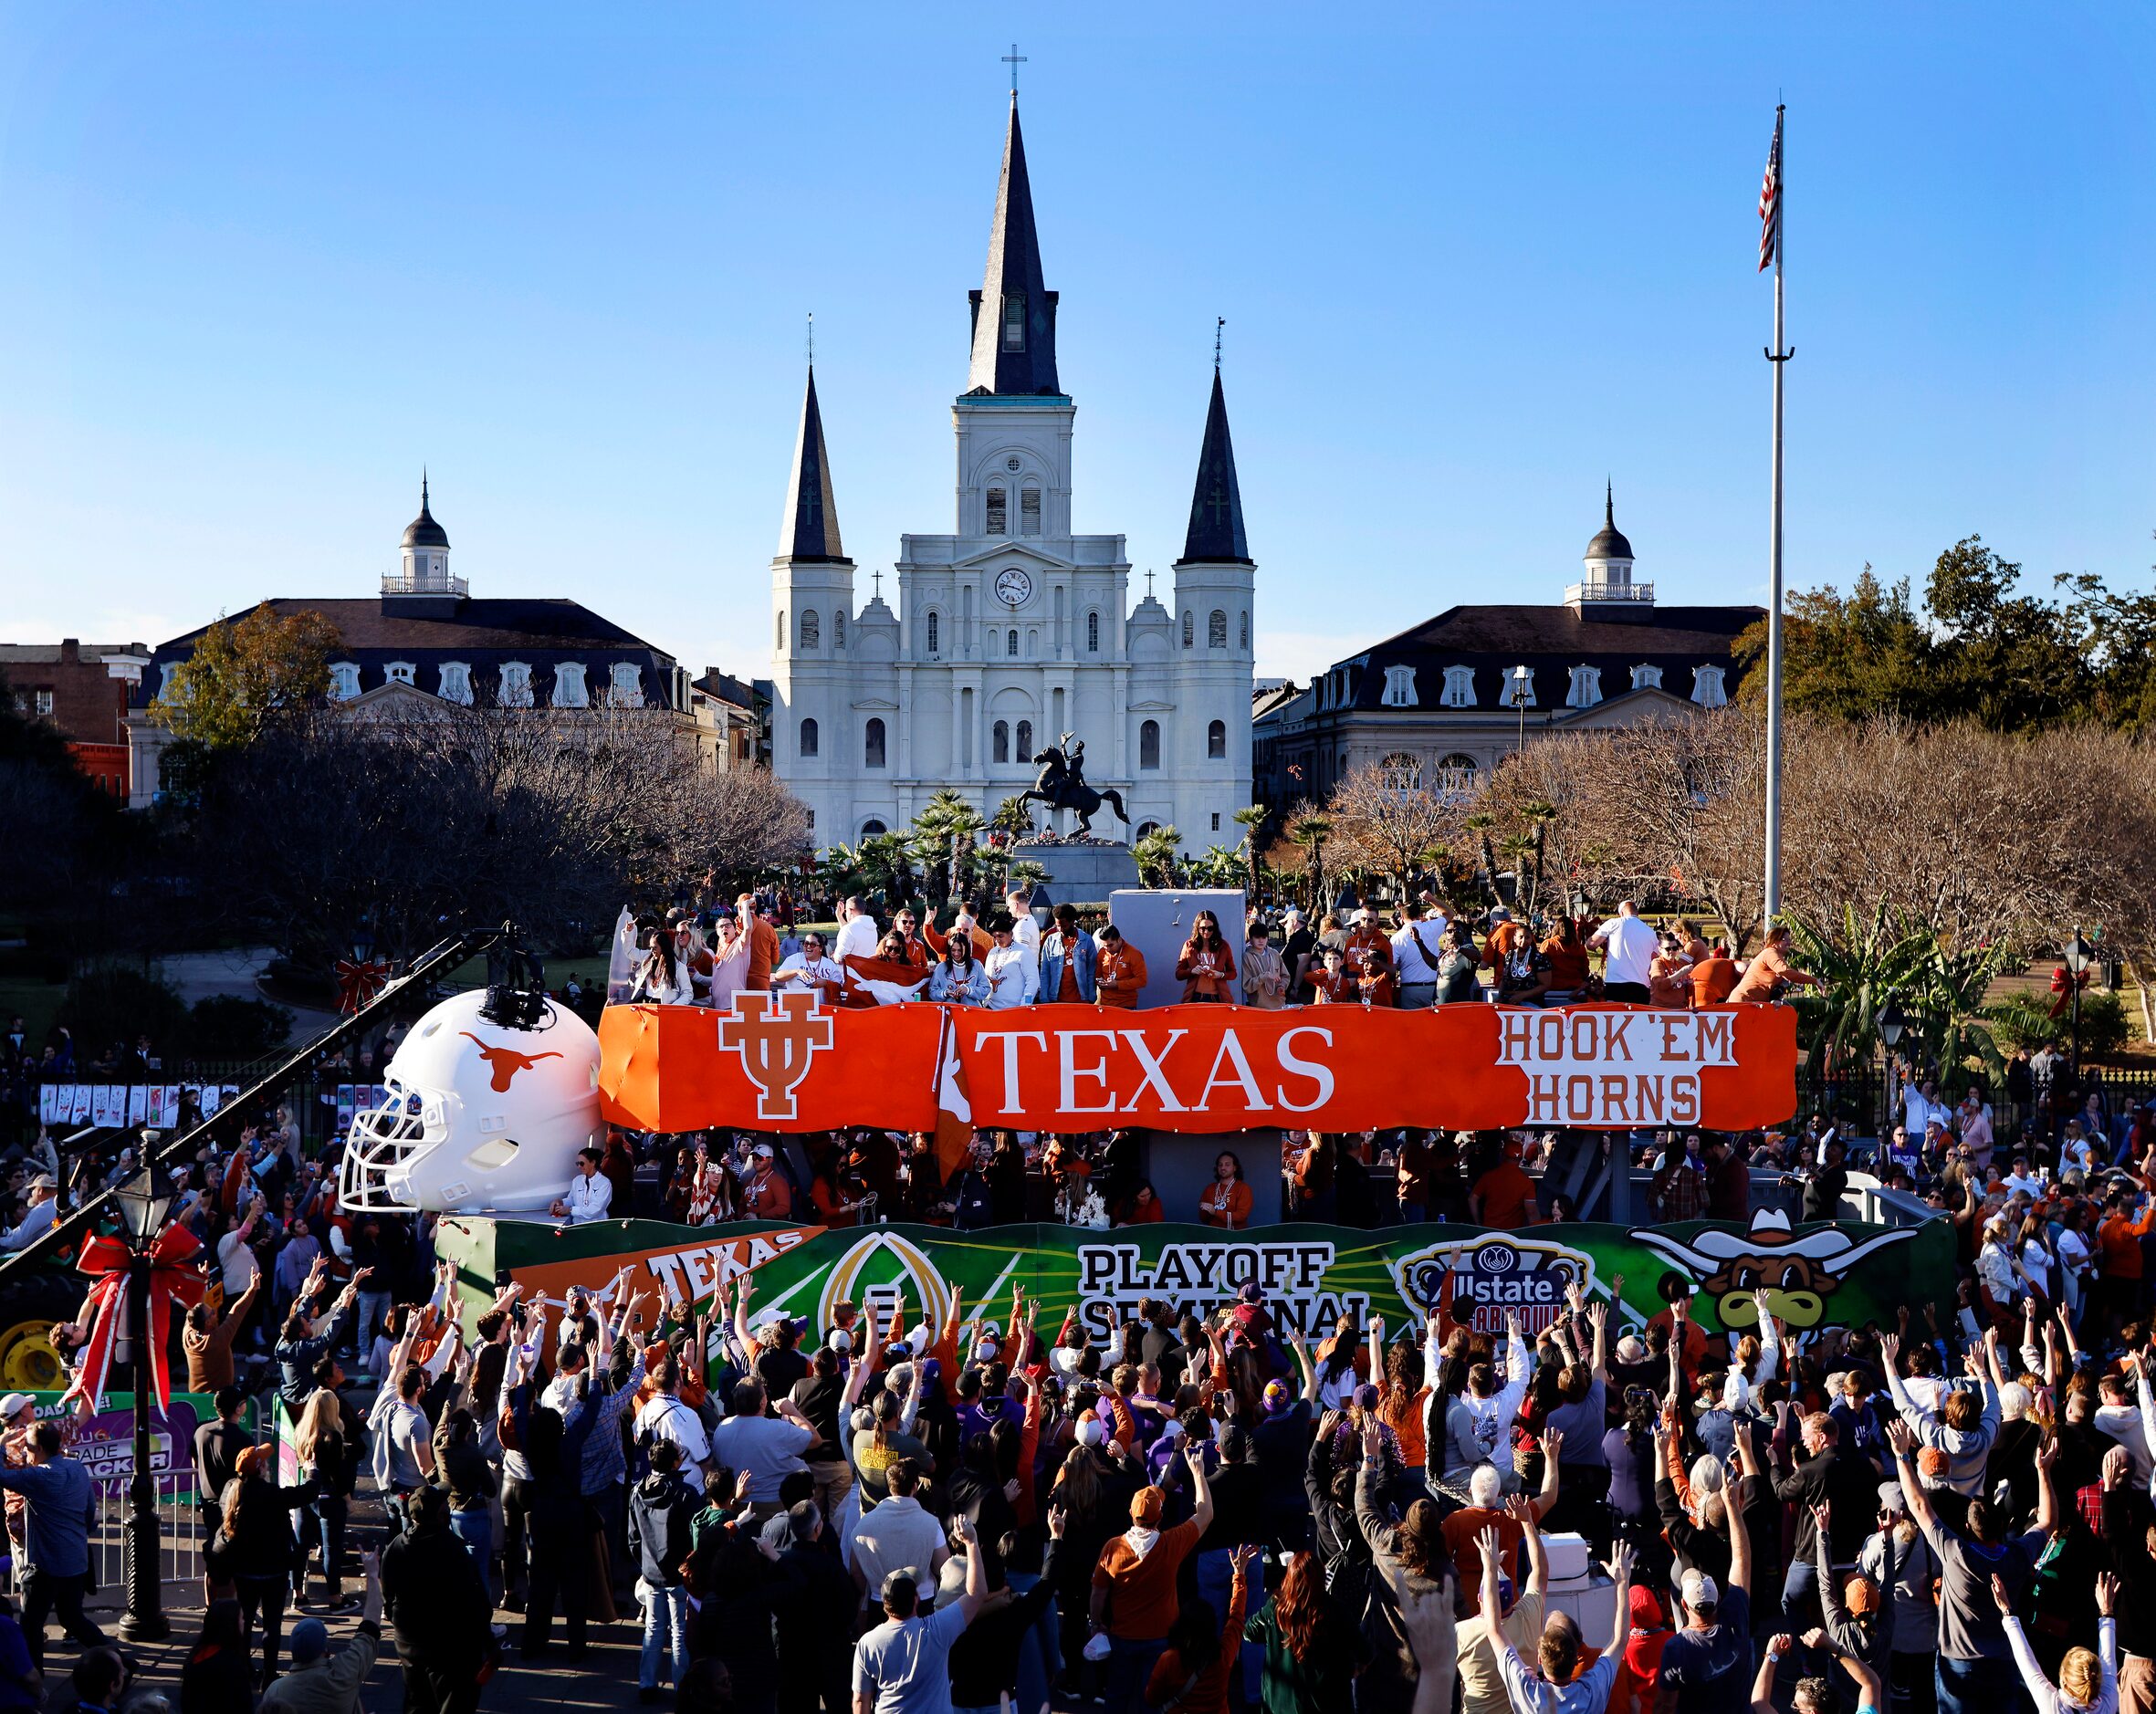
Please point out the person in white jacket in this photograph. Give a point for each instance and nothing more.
(1474, 1428)
(589, 1194)
(1014, 973)
(2087, 1682)
(663, 978)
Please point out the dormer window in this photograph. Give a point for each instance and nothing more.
(1707, 689)
(1647, 678)
(1459, 687)
(570, 691)
(625, 684)
(1400, 687)
(344, 681)
(456, 682)
(998, 512)
(516, 685)
(1014, 321)
(1585, 689)
(399, 672)
(1028, 511)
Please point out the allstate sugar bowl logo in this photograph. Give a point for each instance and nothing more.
(1475, 1282)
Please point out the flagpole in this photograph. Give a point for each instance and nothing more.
(1779, 358)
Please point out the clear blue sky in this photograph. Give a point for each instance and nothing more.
(265, 261)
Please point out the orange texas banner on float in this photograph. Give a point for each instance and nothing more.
(781, 1062)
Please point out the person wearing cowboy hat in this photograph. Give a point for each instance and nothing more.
(45, 1209)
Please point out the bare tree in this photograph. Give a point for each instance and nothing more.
(459, 816)
(1387, 821)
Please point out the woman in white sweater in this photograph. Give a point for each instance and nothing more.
(2087, 1683)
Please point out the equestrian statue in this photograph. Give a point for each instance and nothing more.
(1060, 785)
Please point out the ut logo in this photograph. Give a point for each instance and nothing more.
(505, 1062)
(778, 1036)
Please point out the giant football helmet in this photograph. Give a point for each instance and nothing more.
(480, 1118)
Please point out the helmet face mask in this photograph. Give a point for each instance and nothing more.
(480, 1118)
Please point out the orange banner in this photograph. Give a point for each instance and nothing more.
(780, 1062)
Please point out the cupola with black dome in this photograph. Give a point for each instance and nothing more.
(422, 577)
(1606, 585)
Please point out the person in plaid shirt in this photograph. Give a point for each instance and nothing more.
(1680, 1181)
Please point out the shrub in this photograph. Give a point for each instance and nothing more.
(117, 1002)
(235, 1027)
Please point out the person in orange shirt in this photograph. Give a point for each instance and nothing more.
(1370, 959)
(907, 928)
(1333, 986)
(763, 943)
(1226, 1202)
(1133, 1585)
(1206, 968)
(767, 1195)
(1145, 1207)
(1713, 977)
(1505, 938)
(2118, 1255)
(1669, 975)
(1504, 1196)
(984, 943)
(1118, 970)
(1768, 974)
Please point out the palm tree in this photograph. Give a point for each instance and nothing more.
(1156, 856)
(1310, 832)
(1219, 867)
(943, 838)
(1250, 818)
(1480, 823)
(1013, 816)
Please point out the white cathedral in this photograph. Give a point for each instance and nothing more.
(1012, 629)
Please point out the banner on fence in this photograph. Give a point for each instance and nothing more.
(104, 1442)
(1814, 1276)
(112, 1105)
(781, 1062)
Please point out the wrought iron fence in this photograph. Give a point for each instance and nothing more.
(181, 1530)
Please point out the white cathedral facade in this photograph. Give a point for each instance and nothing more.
(1011, 630)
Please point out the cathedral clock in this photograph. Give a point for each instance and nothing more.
(1014, 587)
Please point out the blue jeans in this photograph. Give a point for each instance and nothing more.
(1130, 1664)
(1215, 1583)
(666, 1626)
(1978, 1687)
(475, 1529)
(372, 1310)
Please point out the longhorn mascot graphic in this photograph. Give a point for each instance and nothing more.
(1797, 1274)
(480, 1119)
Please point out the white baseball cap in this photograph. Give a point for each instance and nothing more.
(12, 1403)
(1699, 1590)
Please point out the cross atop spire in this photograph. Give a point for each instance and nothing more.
(811, 529)
(1013, 311)
(1014, 59)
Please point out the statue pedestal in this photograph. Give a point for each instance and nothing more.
(1080, 875)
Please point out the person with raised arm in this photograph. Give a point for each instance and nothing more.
(1813, 1696)
(1555, 1685)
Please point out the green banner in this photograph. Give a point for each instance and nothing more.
(1815, 1275)
(104, 1442)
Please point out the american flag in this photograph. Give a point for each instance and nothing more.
(1770, 201)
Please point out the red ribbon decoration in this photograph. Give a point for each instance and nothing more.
(173, 1279)
(358, 981)
(2064, 984)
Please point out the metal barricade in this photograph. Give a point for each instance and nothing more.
(180, 1530)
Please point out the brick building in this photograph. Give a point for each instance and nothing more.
(82, 689)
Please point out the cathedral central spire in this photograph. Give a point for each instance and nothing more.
(1014, 311)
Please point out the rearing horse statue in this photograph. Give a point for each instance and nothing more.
(1060, 785)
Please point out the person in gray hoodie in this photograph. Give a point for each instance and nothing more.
(659, 1514)
(1966, 1421)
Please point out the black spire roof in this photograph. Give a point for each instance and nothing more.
(1013, 306)
(811, 527)
(1609, 542)
(1216, 534)
(422, 531)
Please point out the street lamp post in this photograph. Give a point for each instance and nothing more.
(1890, 1023)
(142, 1200)
(1523, 689)
(2080, 957)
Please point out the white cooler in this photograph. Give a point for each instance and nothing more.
(1570, 1562)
